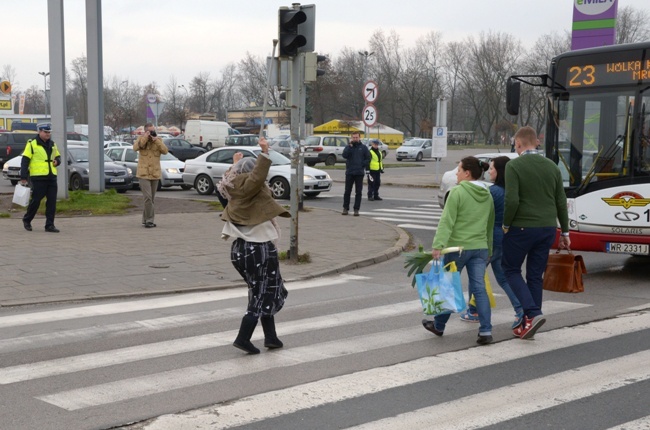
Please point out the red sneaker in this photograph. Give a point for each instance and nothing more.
(530, 326)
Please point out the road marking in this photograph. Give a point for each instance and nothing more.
(157, 303)
(217, 371)
(641, 423)
(331, 390)
(525, 397)
(417, 227)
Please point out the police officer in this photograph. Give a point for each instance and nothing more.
(376, 168)
(40, 159)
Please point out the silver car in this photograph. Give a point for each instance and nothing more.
(382, 146)
(172, 167)
(205, 171)
(325, 148)
(283, 146)
(414, 149)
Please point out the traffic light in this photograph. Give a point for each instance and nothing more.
(311, 66)
(288, 37)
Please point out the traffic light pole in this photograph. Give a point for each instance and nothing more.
(297, 160)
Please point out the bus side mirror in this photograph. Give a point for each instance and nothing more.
(513, 90)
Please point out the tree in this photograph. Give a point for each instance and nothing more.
(77, 92)
(632, 25)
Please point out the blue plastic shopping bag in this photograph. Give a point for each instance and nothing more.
(440, 290)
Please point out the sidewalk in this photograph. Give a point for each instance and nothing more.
(114, 256)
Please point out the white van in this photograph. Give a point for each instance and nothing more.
(207, 134)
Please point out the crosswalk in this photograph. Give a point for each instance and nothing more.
(420, 217)
(77, 366)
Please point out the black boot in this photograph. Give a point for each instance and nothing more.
(243, 340)
(271, 340)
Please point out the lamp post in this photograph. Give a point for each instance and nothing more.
(128, 108)
(365, 55)
(187, 96)
(45, 75)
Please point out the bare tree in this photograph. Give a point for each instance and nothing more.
(453, 61)
(388, 62)
(200, 91)
(632, 25)
(77, 93)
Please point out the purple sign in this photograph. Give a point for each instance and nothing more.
(594, 23)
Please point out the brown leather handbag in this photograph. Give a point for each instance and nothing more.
(564, 273)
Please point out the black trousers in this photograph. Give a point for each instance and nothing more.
(373, 186)
(357, 182)
(42, 188)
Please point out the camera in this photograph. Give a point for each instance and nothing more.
(153, 133)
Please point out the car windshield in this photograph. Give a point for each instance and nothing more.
(80, 155)
(277, 159)
(312, 141)
(168, 156)
(413, 143)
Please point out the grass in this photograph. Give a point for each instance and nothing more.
(86, 203)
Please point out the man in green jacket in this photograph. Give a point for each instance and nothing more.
(534, 202)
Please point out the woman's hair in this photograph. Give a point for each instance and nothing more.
(500, 167)
(474, 166)
(245, 165)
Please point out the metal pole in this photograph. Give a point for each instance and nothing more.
(294, 82)
(301, 129)
(95, 96)
(267, 89)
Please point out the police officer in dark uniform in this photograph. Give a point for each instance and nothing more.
(40, 160)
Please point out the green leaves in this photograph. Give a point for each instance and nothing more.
(415, 262)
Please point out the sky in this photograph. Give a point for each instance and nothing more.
(152, 40)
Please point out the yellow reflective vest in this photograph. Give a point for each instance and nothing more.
(375, 161)
(39, 164)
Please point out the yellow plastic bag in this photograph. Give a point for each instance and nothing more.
(488, 289)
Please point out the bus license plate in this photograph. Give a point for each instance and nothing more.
(117, 179)
(628, 248)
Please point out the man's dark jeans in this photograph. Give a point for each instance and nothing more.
(532, 244)
(357, 181)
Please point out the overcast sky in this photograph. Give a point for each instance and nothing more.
(151, 40)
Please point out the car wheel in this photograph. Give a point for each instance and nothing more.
(280, 188)
(398, 159)
(310, 195)
(384, 154)
(186, 187)
(208, 146)
(13, 182)
(311, 163)
(122, 191)
(159, 187)
(419, 157)
(76, 183)
(204, 185)
(330, 160)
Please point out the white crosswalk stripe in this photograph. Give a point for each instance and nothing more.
(422, 217)
(71, 393)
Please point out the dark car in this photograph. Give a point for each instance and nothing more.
(115, 176)
(182, 149)
(13, 145)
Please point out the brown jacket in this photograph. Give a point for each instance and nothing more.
(149, 158)
(251, 200)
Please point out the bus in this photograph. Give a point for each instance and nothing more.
(597, 131)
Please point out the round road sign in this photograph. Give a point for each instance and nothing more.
(369, 115)
(370, 91)
(5, 87)
(152, 98)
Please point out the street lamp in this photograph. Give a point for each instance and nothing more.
(45, 75)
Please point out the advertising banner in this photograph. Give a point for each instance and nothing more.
(594, 23)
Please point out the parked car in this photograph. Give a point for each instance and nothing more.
(448, 180)
(206, 170)
(115, 176)
(382, 146)
(172, 168)
(182, 149)
(242, 140)
(116, 144)
(283, 146)
(13, 144)
(325, 148)
(414, 149)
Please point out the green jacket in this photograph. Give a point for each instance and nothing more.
(251, 200)
(467, 220)
(535, 194)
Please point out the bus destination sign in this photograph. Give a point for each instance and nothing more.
(614, 73)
